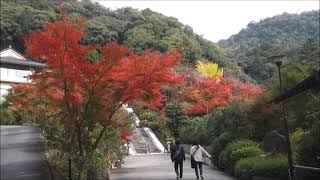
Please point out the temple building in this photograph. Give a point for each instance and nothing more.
(14, 68)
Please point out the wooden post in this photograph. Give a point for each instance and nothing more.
(70, 169)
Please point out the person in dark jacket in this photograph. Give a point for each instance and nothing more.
(178, 156)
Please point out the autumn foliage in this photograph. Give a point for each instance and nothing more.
(78, 98)
(206, 93)
(85, 95)
(120, 76)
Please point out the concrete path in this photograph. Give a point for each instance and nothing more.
(21, 154)
(159, 167)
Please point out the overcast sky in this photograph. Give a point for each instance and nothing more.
(217, 20)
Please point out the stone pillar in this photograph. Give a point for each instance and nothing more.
(168, 145)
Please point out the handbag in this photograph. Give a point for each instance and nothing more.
(193, 161)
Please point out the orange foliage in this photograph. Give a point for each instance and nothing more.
(81, 89)
(205, 94)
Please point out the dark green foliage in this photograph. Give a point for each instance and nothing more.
(177, 118)
(140, 38)
(231, 118)
(195, 131)
(7, 117)
(245, 165)
(236, 150)
(272, 167)
(218, 144)
(11, 117)
(309, 53)
(309, 153)
(20, 17)
(245, 152)
(281, 34)
(102, 29)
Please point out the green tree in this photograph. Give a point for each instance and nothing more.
(176, 118)
(22, 17)
(140, 38)
(103, 29)
(231, 118)
(309, 53)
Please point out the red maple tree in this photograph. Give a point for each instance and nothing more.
(83, 96)
(207, 93)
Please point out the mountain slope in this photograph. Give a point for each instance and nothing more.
(136, 29)
(279, 34)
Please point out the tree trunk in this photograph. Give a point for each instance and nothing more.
(82, 172)
(92, 173)
(108, 174)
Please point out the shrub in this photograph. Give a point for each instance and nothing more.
(195, 131)
(296, 138)
(8, 117)
(244, 164)
(217, 146)
(271, 167)
(223, 158)
(309, 154)
(251, 151)
(226, 162)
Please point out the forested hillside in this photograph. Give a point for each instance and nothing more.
(241, 55)
(288, 34)
(137, 29)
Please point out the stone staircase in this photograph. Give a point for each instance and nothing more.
(142, 143)
(151, 147)
(143, 140)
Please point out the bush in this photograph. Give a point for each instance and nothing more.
(251, 151)
(244, 164)
(296, 138)
(223, 158)
(194, 130)
(218, 144)
(8, 117)
(239, 148)
(271, 167)
(309, 154)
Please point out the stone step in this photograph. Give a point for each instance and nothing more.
(138, 142)
(142, 142)
(151, 147)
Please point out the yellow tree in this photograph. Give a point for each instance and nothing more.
(209, 69)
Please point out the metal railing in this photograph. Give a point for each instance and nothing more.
(303, 168)
(307, 168)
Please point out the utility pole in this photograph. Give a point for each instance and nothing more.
(278, 61)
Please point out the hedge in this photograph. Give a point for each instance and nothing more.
(271, 167)
(309, 154)
(236, 150)
(251, 151)
(218, 144)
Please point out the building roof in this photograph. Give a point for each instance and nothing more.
(10, 57)
(11, 53)
(15, 61)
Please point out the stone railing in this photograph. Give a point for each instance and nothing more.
(155, 140)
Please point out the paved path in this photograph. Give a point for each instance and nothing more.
(159, 167)
(21, 149)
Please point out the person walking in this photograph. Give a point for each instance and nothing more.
(196, 158)
(178, 156)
